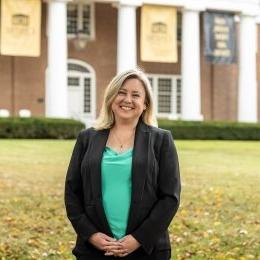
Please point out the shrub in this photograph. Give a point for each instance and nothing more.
(44, 128)
(53, 128)
(211, 130)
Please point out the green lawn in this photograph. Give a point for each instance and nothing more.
(218, 217)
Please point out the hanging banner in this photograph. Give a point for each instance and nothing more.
(159, 34)
(220, 37)
(20, 27)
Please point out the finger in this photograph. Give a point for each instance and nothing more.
(113, 247)
(118, 251)
(108, 253)
(107, 238)
(124, 252)
(108, 246)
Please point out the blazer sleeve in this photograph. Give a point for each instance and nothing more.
(74, 194)
(169, 188)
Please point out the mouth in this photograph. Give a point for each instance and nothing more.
(126, 108)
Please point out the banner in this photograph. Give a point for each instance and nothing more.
(20, 27)
(220, 37)
(159, 34)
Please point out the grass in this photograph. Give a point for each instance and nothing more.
(218, 217)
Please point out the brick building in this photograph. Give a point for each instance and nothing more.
(66, 81)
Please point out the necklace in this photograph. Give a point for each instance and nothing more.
(122, 145)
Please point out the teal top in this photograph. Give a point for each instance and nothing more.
(116, 171)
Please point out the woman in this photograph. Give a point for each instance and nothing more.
(123, 186)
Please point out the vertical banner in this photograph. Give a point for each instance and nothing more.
(159, 34)
(20, 27)
(220, 37)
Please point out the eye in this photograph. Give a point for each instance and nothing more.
(136, 95)
(121, 93)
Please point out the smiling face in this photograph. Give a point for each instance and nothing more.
(129, 103)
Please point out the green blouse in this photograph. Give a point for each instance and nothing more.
(116, 171)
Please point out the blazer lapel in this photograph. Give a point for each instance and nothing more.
(96, 153)
(139, 171)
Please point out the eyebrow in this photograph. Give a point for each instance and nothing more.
(134, 91)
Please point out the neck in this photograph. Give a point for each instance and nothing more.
(125, 126)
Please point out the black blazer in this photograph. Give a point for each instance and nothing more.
(155, 188)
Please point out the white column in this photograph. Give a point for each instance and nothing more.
(56, 95)
(191, 99)
(247, 95)
(126, 36)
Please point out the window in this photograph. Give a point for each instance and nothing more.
(87, 95)
(164, 95)
(80, 18)
(73, 81)
(72, 19)
(167, 95)
(77, 67)
(178, 97)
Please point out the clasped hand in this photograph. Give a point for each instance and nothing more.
(111, 246)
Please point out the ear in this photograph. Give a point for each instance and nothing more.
(144, 106)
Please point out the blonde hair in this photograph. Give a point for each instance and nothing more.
(106, 118)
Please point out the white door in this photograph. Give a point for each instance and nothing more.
(81, 95)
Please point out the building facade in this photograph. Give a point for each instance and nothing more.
(68, 79)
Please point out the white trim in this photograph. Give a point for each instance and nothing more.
(79, 16)
(246, 6)
(174, 78)
(93, 21)
(131, 2)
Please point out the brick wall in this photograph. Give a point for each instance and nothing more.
(26, 81)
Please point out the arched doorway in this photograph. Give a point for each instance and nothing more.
(81, 91)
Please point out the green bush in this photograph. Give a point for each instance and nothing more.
(52, 128)
(44, 128)
(211, 130)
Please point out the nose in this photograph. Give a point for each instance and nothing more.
(128, 98)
